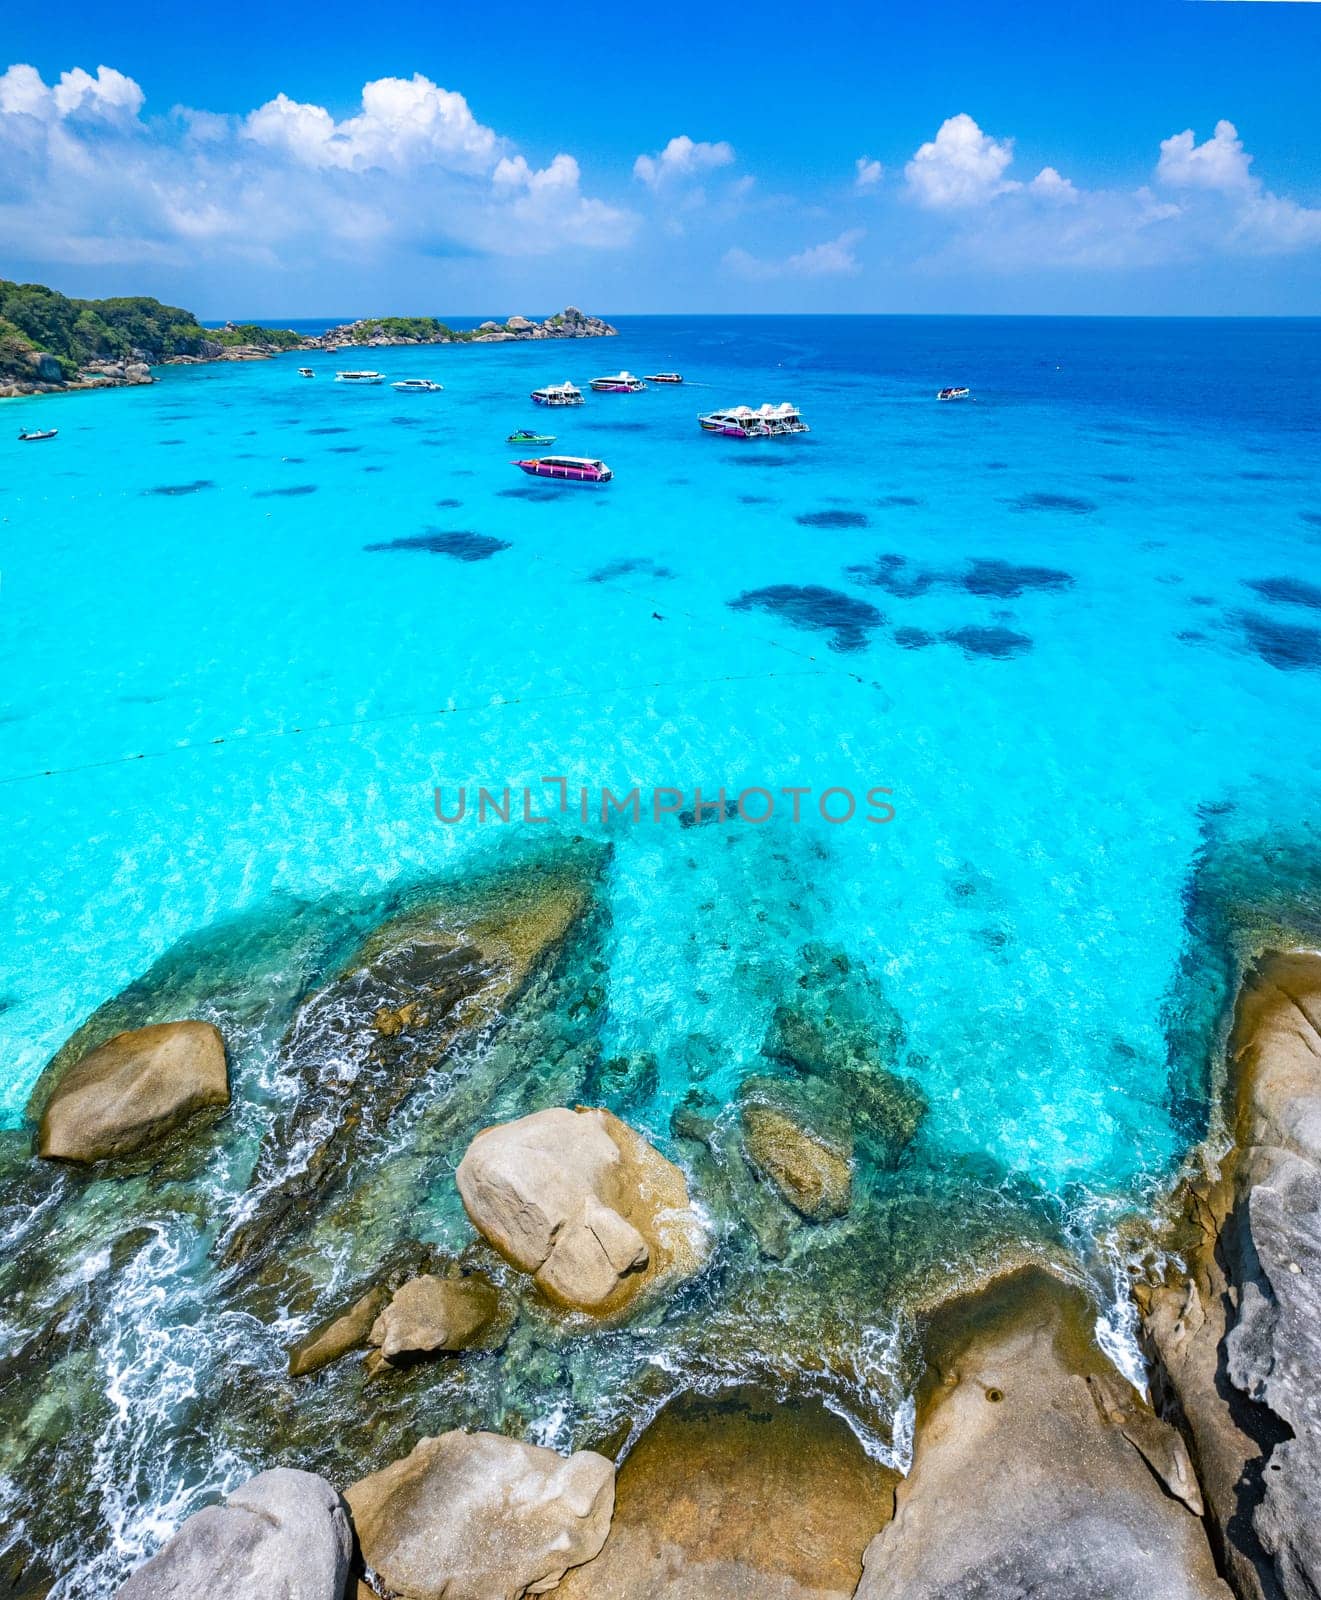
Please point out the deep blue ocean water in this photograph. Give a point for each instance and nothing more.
(249, 622)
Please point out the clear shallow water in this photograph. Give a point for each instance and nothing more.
(1070, 687)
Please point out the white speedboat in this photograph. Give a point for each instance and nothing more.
(742, 422)
(417, 386)
(365, 376)
(959, 392)
(618, 383)
(558, 394)
(306, 372)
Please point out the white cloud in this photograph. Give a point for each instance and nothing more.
(86, 179)
(1049, 185)
(961, 166)
(868, 173)
(833, 259)
(403, 121)
(682, 158)
(1220, 163)
(109, 95)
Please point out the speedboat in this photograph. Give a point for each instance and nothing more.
(572, 469)
(366, 376)
(526, 436)
(31, 435)
(306, 372)
(418, 386)
(558, 394)
(742, 422)
(665, 377)
(619, 383)
(957, 393)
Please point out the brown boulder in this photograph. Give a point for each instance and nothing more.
(132, 1089)
(1037, 1469)
(430, 1316)
(476, 1516)
(335, 1338)
(739, 1496)
(811, 1172)
(584, 1203)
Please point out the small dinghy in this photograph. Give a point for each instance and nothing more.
(569, 469)
(957, 393)
(31, 435)
(526, 436)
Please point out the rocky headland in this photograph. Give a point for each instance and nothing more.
(50, 344)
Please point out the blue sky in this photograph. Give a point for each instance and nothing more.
(299, 160)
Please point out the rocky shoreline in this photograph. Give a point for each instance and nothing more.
(1036, 1467)
(369, 333)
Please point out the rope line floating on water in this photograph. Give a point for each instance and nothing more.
(428, 713)
(434, 713)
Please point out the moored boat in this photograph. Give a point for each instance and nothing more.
(558, 394)
(958, 392)
(526, 436)
(32, 435)
(664, 377)
(742, 422)
(418, 386)
(364, 376)
(618, 383)
(306, 372)
(569, 469)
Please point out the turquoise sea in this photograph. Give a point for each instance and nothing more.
(250, 622)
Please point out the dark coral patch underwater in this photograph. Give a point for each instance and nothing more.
(1286, 645)
(998, 644)
(291, 492)
(1074, 504)
(1287, 591)
(833, 519)
(812, 606)
(461, 544)
(195, 487)
(626, 565)
(983, 576)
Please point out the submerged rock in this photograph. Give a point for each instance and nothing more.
(584, 1203)
(812, 1173)
(739, 1496)
(132, 1090)
(430, 977)
(282, 1533)
(347, 1331)
(1236, 1342)
(475, 1516)
(1034, 1469)
(429, 1316)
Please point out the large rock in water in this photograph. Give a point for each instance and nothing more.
(1236, 1343)
(475, 1516)
(425, 981)
(1037, 1469)
(430, 1316)
(810, 1171)
(584, 1203)
(282, 1533)
(134, 1088)
(739, 1496)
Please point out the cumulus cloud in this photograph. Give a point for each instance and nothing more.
(109, 95)
(868, 173)
(88, 179)
(1049, 185)
(961, 166)
(1219, 163)
(834, 259)
(682, 158)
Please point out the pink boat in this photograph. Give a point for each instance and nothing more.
(572, 469)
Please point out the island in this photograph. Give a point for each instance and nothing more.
(52, 344)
